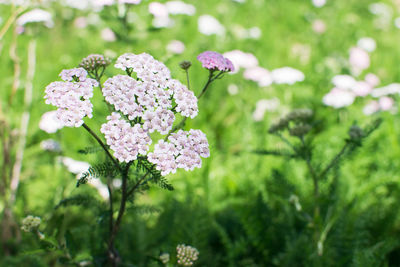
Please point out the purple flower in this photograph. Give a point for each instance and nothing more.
(215, 61)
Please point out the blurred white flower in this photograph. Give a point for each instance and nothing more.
(390, 89)
(254, 33)
(319, 3)
(158, 9)
(233, 89)
(287, 75)
(75, 166)
(344, 81)
(49, 122)
(264, 105)
(397, 22)
(36, 15)
(367, 43)
(338, 98)
(319, 26)
(179, 7)
(50, 145)
(176, 47)
(371, 108)
(372, 79)
(209, 25)
(383, 12)
(258, 74)
(162, 22)
(359, 60)
(241, 59)
(132, 2)
(108, 35)
(100, 187)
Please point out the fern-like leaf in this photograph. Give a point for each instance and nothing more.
(105, 169)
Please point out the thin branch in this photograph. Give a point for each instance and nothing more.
(335, 160)
(102, 145)
(187, 78)
(10, 21)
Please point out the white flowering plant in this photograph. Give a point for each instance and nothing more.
(141, 102)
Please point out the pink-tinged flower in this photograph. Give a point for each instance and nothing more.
(372, 79)
(215, 61)
(338, 98)
(371, 108)
(108, 35)
(176, 47)
(71, 97)
(126, 141)
(386, 103)
(362, 88)
(260, 75)
(319, 26)
(183, 150)
(359, 59)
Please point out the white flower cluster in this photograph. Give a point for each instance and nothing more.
(186, 255)
(30, 223)
(145, 100)
(126, 141)
(184, 150)
(71, 96)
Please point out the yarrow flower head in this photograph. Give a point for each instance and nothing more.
(94, 61)
(71, 96)
(183, 150)
(30, 223)
(215, 61)
(186, 255)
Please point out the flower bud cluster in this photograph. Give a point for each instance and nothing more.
(296, 122)
(164, 258)
(94, 62)
(186, 255)
(183, 150)
(71, 96)
(30, 223)
(356, 133)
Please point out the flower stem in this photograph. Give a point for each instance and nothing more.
(102, 145)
